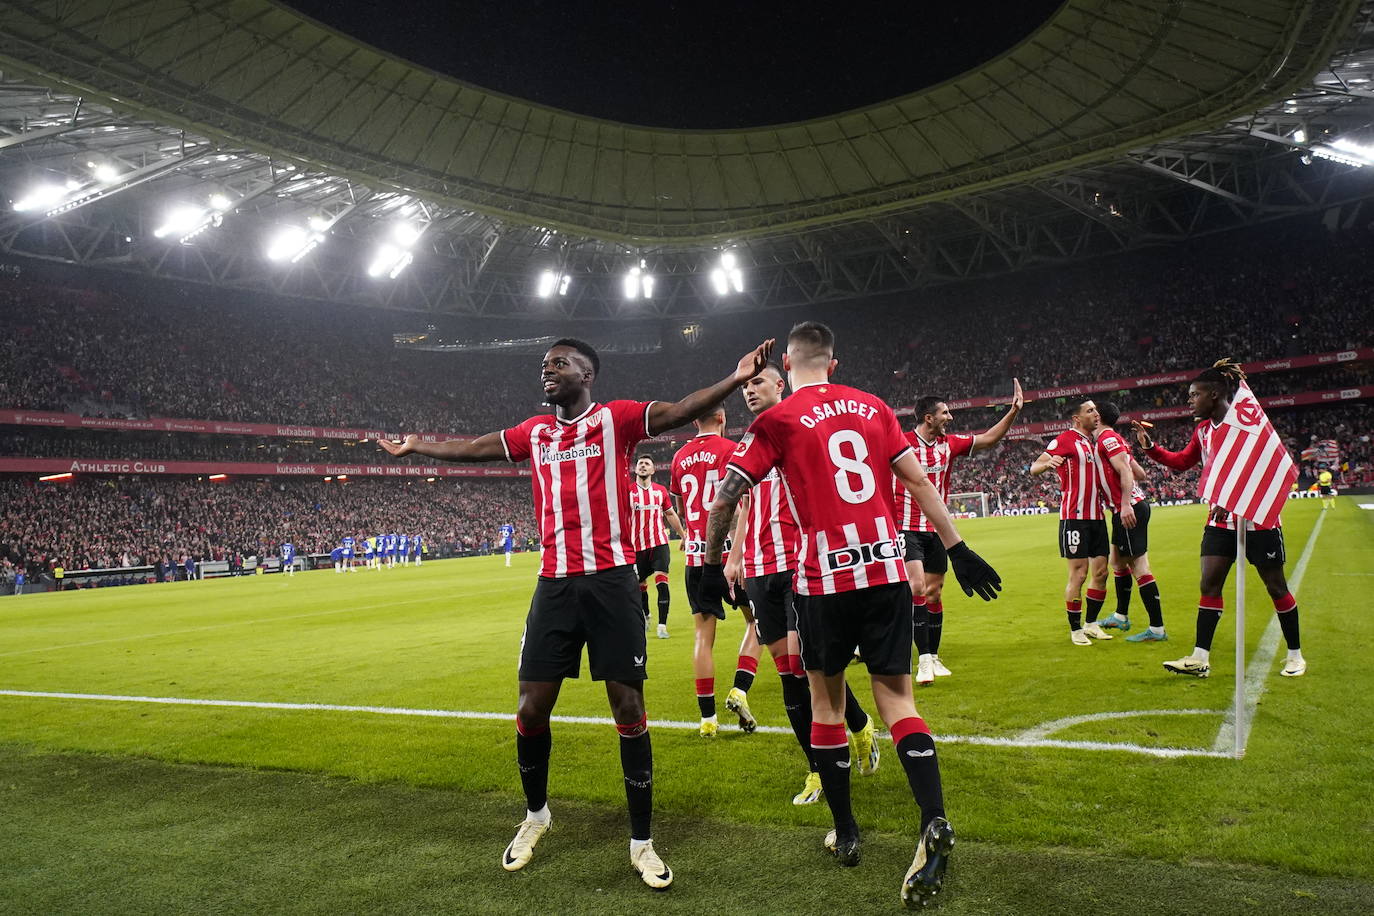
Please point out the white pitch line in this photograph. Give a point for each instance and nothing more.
(1045, 729)
(981, 740)
(1257, 672)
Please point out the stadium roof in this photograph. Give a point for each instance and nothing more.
(1113, 125)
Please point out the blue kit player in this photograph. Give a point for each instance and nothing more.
(403, 548)
(288, 558)
(391, 541)
(417, 548)
(336, 555)
(369, 551)
(347, 544)
(505, 536)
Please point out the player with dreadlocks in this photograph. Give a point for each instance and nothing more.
(1209, 397)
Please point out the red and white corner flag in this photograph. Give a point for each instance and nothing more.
(1251, 471)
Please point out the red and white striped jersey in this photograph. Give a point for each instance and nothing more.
(698, 468)
(1110, 444)
(648, 504)
(1200, 448)
(1079, 496)
(834, 446)
(936, 458)
(771, 537)
(581, 480)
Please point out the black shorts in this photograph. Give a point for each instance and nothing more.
(1081, 538)
(926, 548)
(1262, 548)
(1132, 542)
(1324, 491)
(876, 619)
(648, 562)
(775, 611)
(601, 611)
(714, 607)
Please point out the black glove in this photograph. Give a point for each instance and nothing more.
(974, 573)
(711, 585)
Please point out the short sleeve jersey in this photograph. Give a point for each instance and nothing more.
(834, 447)
(648, 504)
(935, 457)
(1109, 445)
(698, 468)
(1079, 494)
(771, 537)
(580, 475)
(1324, 479)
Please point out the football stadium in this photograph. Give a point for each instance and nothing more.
(701, 458)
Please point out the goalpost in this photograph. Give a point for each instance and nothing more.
(975, 503)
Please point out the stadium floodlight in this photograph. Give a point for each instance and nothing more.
(551, 281)
(181, 221)
(1344, 152)
(105, 173)
(728, 276)
(394, 256)
(42, 197)
(221, 202)
(1299, 136)
(291, 243)
(639, 282)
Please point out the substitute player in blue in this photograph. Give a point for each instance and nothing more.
(391, 543)
(288, 558)
(403, 548)
(369, 551)
(347, 544)
(417, 547)
(505, 536)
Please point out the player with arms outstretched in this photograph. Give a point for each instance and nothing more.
(1209, 398)
(1083, 539)
(837, 448)
(926, 562)
(762, 563)
(652, 505)
(587, 592)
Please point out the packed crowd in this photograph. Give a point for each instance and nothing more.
(1287, 289)
(109, 522)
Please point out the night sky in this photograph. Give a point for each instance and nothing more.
(695, 63)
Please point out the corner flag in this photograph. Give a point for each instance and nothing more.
(1251, 471)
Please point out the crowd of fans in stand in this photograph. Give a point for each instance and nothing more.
(1289, 291)
(110, 522)
(1283, 292)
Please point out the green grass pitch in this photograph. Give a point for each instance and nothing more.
(124, 806)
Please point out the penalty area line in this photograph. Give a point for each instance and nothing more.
(978, 740)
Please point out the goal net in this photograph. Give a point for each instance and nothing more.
(968, 505)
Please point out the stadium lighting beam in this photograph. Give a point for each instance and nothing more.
(728, 276)
(291, 243)
(638, 282)
(394, 256)
(44, 196)
(551, 281)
